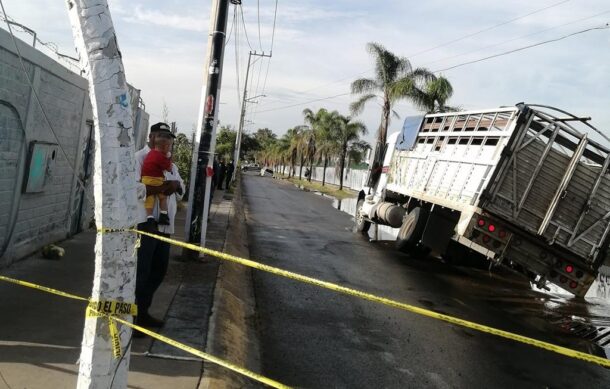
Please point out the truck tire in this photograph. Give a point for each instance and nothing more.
(362, 225)
(412, 229)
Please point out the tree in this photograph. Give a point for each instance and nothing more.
(225, 142)
(182, 156)
(318, 123)
(433, 96)
(265, 138)
(395, 79)
(307, 148)
(347, 134)
(293, 137)
(356, 152)
(249, 146)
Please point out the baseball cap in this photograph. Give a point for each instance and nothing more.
(161, 128)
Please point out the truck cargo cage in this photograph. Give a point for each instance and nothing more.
(555, 183)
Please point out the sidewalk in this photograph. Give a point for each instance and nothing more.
(40, 334)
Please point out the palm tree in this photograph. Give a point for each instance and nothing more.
(293, 138)
(348, 133)
(395, 79)
(318, 123)
(357, 151)
(327, 139)
(433, 96)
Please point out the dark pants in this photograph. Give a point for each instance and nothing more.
(153, 258)
(229, 177)
(221, 179)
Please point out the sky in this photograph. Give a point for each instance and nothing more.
(319, 48)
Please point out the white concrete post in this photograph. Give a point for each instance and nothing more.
(114, 188)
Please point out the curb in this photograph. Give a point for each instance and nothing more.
(232, 333)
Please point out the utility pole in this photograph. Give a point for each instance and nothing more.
(114, 188)
(243, 110)
(199, 192)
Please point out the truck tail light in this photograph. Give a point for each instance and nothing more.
(502, 234)
(573, 284)
(486, 238)
(569, 268)
(491, 228)
(481, 222)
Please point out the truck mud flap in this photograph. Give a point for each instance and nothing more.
(440, 228)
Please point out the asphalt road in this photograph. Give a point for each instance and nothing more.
(316, 338)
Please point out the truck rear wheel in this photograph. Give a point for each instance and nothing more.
(362, 225)
(412, 229)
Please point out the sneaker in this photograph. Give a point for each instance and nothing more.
(147, 321)
(163, 219)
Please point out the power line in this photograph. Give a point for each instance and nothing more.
(258, 16)
(517, 38)
(441, 45)
(236, 23)
(39, 102)
(604, 27)
(305, 102)
(487, 29)
(271, 49)
(230, 31)
(274, 20)
(244, 23)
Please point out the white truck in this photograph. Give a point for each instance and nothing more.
(524, 186)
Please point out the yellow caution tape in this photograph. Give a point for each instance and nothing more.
(43, 288)
(108, 307)
(385, 301)
(115, 339)
(104, 308)
(113, 308)
(206, 356)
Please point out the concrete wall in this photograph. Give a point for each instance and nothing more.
(29, 221)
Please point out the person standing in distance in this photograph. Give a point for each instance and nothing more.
(153, 255)
(222, 171)
(230, 169)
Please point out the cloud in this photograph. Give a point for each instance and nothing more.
(159, 18)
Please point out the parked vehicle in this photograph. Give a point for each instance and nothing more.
(524, 186)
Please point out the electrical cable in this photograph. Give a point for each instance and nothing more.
(258, 16)
(230, 32)
(271, 49)
(438, 46)
(517, 38)
(116, 369)
(305, 102)
(244, 23)
(235, 21)
(604, 27)
(4, 380)
(488, 28)
(37, 98)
